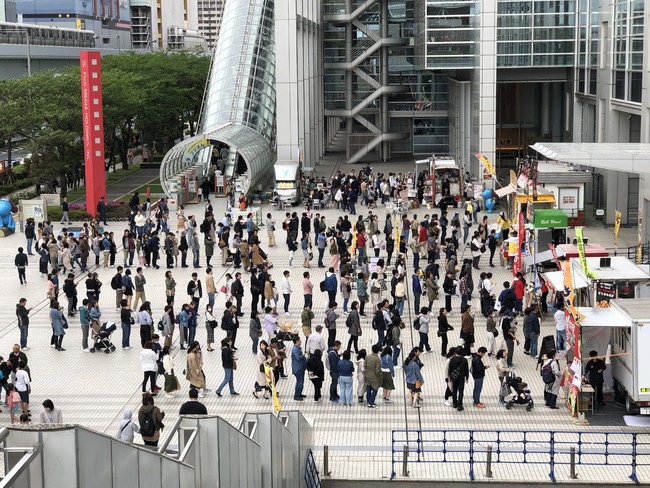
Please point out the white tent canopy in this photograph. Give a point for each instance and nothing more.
(603, 317)
(556, 279)
(628, 157)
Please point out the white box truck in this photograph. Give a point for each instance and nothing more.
(631, 354)
(287, 180)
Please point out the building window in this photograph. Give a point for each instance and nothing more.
(619, 85)
(636, 83)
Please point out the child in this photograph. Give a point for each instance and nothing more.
(13, 400)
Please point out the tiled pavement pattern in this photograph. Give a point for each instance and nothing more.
(93, 389)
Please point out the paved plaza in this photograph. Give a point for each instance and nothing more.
(93, 389)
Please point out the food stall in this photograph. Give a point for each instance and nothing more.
(445, 178)
(591, 251)
(550, 226)
(612, 277)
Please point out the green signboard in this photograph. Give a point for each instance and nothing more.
(550, 218)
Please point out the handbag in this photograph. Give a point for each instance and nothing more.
(375, 289)
(454, 375)
(64, 323)
(234, 364)
(224, 289)
(418, 384)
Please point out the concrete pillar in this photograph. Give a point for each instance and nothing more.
(385, 115)
(348, 80)
(546, 103)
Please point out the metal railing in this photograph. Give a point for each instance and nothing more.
(492, 447)
(312, 476)
(633, 253)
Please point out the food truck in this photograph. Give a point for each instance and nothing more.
(287, 180)
(445, 178)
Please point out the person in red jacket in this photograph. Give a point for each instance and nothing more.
(520, 288)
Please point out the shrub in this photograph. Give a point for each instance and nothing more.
(114, 211)
(18, 185)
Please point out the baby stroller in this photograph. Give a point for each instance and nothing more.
(521, 395)
(102, 336)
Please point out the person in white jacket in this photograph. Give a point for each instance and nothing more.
(127, 428)
(149, 363)
(139, 220)
(285, 289)
(316, 341)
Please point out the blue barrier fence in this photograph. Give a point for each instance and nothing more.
(551, 448)
(312, 476)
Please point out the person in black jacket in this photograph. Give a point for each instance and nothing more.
(449, 287)
(21, 263)
(478, 373)
(595, 367)
(237, 290)
(22, 312)
(230, 323)
(183, 247)
(443, 328)
(194, 289)
(458, 374)
(316, 372)
(30, 235)
(228, 360)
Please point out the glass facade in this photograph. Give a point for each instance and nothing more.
(239, 105)
(628, 50)
(588, 46)
(535, 33)
(451, 33)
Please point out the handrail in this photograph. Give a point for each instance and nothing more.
(31, 453)
(162, 449)
(550, 448)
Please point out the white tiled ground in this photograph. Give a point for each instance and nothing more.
(92, 389)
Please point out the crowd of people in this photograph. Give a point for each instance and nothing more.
(398, 274)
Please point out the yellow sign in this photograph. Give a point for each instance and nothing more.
(617, 226)
(581, 251)
(270, 381)
(488, 164)
(397, 234)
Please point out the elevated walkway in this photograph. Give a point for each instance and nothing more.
(197, 451)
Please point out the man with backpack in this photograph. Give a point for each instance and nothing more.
(380, 321)
(551, 376)
(116, 284)
(332, 363)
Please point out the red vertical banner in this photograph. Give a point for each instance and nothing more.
(93, 128)
(521, 230)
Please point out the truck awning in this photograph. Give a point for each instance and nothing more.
(556, 279)
(542, 257)
(506, 190)
(603, 317)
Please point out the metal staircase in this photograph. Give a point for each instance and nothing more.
(365, 67)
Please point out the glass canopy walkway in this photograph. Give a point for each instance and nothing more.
(234, 141)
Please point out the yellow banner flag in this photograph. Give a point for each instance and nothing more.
(488, 164)
(353, 244)
(397, 234)
(617, 226)
(581, 250)
(270, 381)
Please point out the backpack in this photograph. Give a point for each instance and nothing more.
(160, 325)
(322, 285)
(148, 425)
(327, 360)
(348, 321)
(115, 284)
(547, 373)
(375, 320)
(178, 318)
(388, 341)
(326, 321)
(416, 324)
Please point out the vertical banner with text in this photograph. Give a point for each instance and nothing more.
(92, 114)
(521, 230)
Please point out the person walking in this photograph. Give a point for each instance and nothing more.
(478, 374)
(458, 374)
(171, 381)
(65, 208)
(413, 377)
(21, 262)
(345, 370)
(22, 312)
(229, 362)
(373, 376)
(298, 368)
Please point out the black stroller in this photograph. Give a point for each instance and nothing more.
(521, 395)
(102, 337)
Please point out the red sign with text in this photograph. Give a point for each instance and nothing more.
(93, 128)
